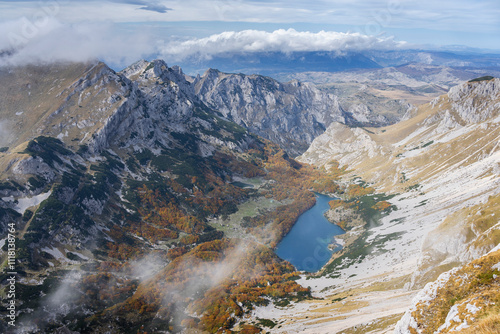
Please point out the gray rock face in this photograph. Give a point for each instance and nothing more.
(291, 114)
(475, 102)
(364, 115)
(34, 166)
(164, 102)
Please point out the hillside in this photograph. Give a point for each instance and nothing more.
(463, 300)
(440, 172)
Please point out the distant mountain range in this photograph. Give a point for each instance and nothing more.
(463, 58)
(275, 63)
(271, 63)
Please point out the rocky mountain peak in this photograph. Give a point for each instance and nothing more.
(207, 81)
(211, 73)
(154, 70)
(135, 69)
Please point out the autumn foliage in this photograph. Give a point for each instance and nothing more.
(219, 280)
(382, 206)
(356, 191)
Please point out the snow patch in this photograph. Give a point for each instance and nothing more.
(495, 249)
(2, 242)
(80, 255)
(453, 315)
(338, 241)
(427, 294)
(56, 253)
(27, 202)
(62, 135)
(472, 308)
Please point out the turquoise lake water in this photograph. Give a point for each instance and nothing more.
(306, 245)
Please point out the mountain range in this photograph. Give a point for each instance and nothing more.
(277, 64)
(272, 63)
(291, 114)
(148, 200)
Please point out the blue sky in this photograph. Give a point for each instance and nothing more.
(122, 31)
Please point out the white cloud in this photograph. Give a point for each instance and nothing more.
(51, 40)
(279, 40)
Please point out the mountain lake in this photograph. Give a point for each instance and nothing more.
(306, 245)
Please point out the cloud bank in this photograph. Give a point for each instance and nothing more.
(286, 41)
(49, 40)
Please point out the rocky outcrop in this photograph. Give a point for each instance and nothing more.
(34, 166)
(342, 143)
(475, 101)
(363, 115)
